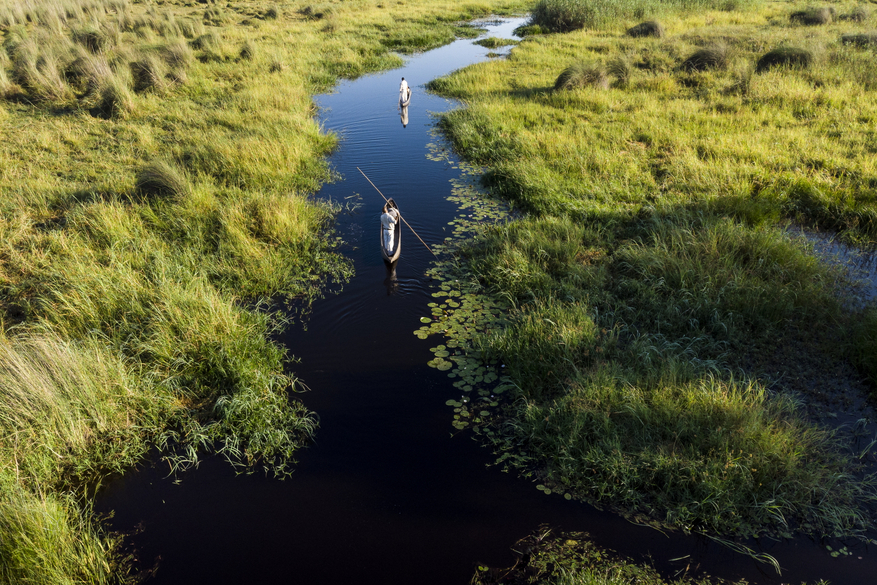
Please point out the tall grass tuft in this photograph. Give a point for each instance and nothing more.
(792, 57)
(580, 75)
(178, 56)
(114, 99)
(248, 51)
(621, 69)
(715, 56)
(38, 66)
(813, 16)
(92, 38)
(650, 28)
(207, 41)
(191, 29)
(318, 11)
(161, 178)
(860, 39)
(149, 73)
(215, 16)
(49, 539)
(860, 13)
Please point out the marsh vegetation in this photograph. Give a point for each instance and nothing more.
(156, 164)
(655, 289)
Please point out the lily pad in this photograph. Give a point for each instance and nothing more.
(425, 320)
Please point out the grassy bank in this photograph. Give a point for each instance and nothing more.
(155, 166)
(654, 285)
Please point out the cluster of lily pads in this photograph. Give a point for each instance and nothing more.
(463, 310)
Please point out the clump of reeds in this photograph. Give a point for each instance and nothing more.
(191, 28)
(529, 29)
(177, 54)
(621, 69)
(813, 16)
(579, 75)
(562, 15)
(714, 56)
(742, 81)
(271, 13)
(858, 14)
(318, 11)
(7, 88)
(208, 41)
(161, 178)
(214, 16)
(248, 51)
(860, 40)
(276, 66)
(792, 57)
(39, 65)
(48, 538)
(88, 72)
(91, 38)
(149, 73)
(114, 99)
(650, 28)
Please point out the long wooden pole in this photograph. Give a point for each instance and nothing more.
(400, 215)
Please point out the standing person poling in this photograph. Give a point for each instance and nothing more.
(404, 91)
(389, 219)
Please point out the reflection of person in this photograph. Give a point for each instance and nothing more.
(389, 219)
(391, 281)
(404, 116)
(404, 90)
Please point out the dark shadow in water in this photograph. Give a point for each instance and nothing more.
(387, 494)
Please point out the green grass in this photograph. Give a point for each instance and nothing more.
(155, 174)
(544, 558)
(652, 271)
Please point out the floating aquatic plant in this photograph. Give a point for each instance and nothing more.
(462, 309)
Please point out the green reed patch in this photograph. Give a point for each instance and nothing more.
(579, 75)
(619, 361)
(650, 28)
(495, 42)
(562, 16)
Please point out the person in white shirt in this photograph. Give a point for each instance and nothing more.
(404, 90)
(389, 219)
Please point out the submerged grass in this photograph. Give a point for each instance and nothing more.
(652, 260)
(156, 165)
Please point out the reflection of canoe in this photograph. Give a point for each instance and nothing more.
(405, 100)
(397, 236)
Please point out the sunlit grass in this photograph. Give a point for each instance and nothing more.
(652, 260)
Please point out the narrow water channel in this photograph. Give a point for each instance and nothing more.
(387, 495)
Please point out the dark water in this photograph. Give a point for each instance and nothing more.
(386, 495)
